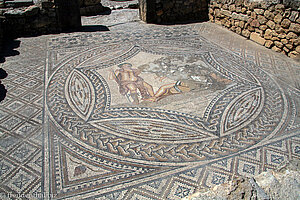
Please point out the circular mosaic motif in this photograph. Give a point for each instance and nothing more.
(167, 101)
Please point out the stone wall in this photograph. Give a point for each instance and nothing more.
(173, 11)
(269, 23)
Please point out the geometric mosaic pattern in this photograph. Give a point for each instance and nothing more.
(68, 132)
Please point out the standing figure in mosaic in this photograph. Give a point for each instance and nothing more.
(130, 83)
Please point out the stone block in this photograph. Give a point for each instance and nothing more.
(291, 35)
(238, 9)
(275, 39)
(244, 10)
(279, 7)
(289, 46)
(260, 32)
(263, 27)
(278, 18)
(246, 33)
(278, 44)
(295, 27)
(294, 54)
(226, 12)
(217, 12)
(297, 49)
(271, 24)
(240, 17)
(282, 36)
(241, 24)
(284, 41)
(286, 23)
(251, 28)
(295, 41)
(287, 13)
(259, 11)
(269, 15)
(225, 7)
(232, 8)
(261, 19)
(255, 23)
(274, 48)
(236, 23)
(257, 38)
(279, 29)
(268, 34)
(238, 30)
(253, 15)
(286, 49)
(294, 16)
(269, 43)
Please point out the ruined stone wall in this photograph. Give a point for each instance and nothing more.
(29, 21)
(173, 11)
(272, 23)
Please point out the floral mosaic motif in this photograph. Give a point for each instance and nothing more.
(218, 179)
(21, 181)
(4, 168)
(182, 191)
(249, 169)
(8, 142)
(277, 159)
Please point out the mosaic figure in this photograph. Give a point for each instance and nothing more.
(130, 83)
(169, 89)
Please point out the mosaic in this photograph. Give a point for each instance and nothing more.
(154, 117)
(153, 153)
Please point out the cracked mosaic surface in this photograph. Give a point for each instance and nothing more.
(70, 129)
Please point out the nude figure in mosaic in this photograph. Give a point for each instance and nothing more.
(130, 82)
(170, 89)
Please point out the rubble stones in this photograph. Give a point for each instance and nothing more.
(273, 24)
(28, 21)
(282, 183)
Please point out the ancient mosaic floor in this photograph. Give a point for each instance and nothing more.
(143, 112)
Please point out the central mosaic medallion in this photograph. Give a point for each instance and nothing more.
(156, 106)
